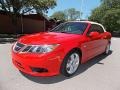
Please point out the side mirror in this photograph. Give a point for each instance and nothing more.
(94, 34)
(108, 34)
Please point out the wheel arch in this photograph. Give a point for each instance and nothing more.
(76, 49)
(64, 60)
(109, 41)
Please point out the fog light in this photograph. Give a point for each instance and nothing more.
(39, 70)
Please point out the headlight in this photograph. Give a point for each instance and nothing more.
(39, 48)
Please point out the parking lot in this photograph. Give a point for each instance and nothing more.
(100, 73)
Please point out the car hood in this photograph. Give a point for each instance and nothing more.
(47, 38)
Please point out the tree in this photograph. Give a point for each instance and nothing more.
(111, 4)
(108, 14)
(24, 6)
(16, 7)
(72, 14)
(111, 20)
(67, 15)
(97, 14)
(60, 15)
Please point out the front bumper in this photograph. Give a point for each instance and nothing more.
(38, 64)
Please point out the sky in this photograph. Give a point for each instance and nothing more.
(86, 6)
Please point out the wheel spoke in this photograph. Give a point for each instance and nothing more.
(73, 63)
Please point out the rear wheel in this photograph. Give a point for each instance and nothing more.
(70, 64)
(107, 50)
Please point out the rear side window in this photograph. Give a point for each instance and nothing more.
(96, 28)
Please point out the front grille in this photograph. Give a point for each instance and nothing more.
(18, 47)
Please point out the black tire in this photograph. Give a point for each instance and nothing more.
(63, 69)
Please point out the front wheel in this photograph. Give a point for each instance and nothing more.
(70, 64)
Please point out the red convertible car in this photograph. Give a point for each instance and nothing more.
(60, 50)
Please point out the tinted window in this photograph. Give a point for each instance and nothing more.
(96, 28)
(71, 27)
(100, 29)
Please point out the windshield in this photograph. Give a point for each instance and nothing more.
(71, 27)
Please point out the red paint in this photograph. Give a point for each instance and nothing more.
(90, 47)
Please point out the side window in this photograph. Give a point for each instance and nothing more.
(100, 29)
(95, 28)
(91, 29)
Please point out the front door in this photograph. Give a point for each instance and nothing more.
(92, 46)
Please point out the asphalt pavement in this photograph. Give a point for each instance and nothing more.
(100, 73)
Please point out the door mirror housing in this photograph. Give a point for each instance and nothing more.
(93, 34)
(108, 34)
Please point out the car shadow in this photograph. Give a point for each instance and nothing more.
(60, 78)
